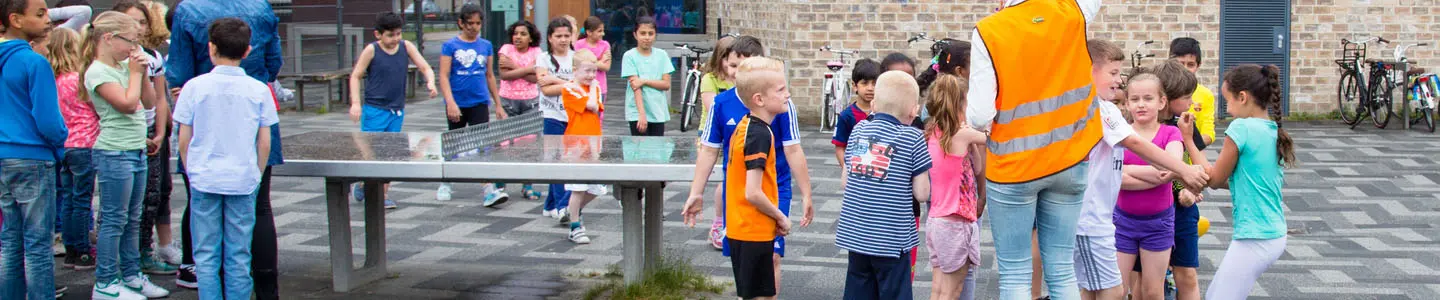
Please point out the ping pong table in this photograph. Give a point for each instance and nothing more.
(510, 150)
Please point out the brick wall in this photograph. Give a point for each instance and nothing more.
(794, 30)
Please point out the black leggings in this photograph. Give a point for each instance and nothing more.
(264, 249)
(157, 192)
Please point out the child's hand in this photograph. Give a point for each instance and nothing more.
(433, 91)
(782, 226)
(693, 206)
(152, 146)
(355, 111)
(1189, 198)
(809, 212)
(1194, 178)
(500, 114)
(452, 112)
(175, 93)
(641, 124)
(636, 83)
(1186, 124)
(138, 62)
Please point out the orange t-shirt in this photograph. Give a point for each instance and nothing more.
(751, 147)
(582, 121)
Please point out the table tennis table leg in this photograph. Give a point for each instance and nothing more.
(654, 223)
(632, 233)
(345, 277)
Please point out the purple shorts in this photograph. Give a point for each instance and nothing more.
(1153, 232)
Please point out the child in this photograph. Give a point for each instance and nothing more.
(721, 80)
(592, 38)
(119, 153)
(1095, 232)
(886, 167)
(1180, 84)
(34, 139)
(468, 87)
(896, 61)
(754, 220)
(384, 65)
(554, 69)
(1186, 51)
(951, 57)
(1253, 173)
(518, 92)
(225, 119)
(862, 80)
(647, 70)
(583, 107)
(1144, 214)
(958, 200)
(77, 172)
(156, 215)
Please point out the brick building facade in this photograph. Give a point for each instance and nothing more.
(794, 30)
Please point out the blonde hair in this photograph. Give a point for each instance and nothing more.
(159, 31)
(947, 107)
(65, 51)
(896, 92)
(584, 57)
(110, 22)
(748, 79)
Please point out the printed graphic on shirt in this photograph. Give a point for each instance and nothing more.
(467, 58)
(875, 162)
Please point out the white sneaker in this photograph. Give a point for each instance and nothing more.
(141, 284)
(58, 247)
(113, 290)
(577, 235)
(547, 213)
(443, 193)
(169, 254)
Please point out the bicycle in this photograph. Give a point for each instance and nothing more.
(690, 87)
(934, 43)
(1378, 104)
(1135, 59)
(835, 87)
(1420, 88)
(1349, 93)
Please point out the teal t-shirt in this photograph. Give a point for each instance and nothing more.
(118, 131)
(657, 107)
(1255, 185)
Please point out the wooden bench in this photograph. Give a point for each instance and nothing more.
(328, 78)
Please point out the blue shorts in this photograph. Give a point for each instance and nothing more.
(375, 119)
(1187, 237)
(784, 204)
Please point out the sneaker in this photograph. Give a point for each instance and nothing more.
(113, 290)
(151, 265)
(496, 197)
(717, 236)
(356, 192)
(60, 291)
(82, 262)
(186, 277)
(530, 193)
(443, 193)
(548, 213)
(390, 204)
(141, 284)
(58, 246)
(577, 235)
(69, 261)
(169, 254)
(563, 216)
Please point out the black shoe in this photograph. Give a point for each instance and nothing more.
(186, 277)
(60, 290)
(82, 262)
(70, 258)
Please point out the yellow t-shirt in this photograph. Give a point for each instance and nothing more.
(710, 84)
(1204, 111)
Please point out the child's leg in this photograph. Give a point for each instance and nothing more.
(893, 277)
(752, 263)
(1152, 277)
(577, 203)
(948, 285)
(206, 221)
(1185, 257)
(558, 198)
(80, 175)
(238, 225)
(130, 241)
(860, 277)
(776, 258)
(264, 246)
(1126, 262)
(28, 229)
(1244, 261)
(1187, 283)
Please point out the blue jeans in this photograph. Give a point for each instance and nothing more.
(558, 198)
(121, 176)
(77, 190)
(27, 199)
(1053, 205)
(224, 225)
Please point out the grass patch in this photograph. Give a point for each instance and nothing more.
(1305, 116)
(672, 278)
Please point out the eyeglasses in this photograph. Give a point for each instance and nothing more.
(132, 42)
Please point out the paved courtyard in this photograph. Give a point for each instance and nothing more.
(1363, 211)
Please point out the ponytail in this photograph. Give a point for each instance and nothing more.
(1285, 146)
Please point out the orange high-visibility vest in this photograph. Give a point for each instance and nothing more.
(1046, 116)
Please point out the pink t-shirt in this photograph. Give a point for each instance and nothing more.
(952, 183)
(1153, 200)
(79, 115)
(599, 51)
(519, 89)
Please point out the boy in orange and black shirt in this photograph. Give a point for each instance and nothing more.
(753, 219)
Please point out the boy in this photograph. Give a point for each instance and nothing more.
(896, 61)
(1186, 51)
(862, 79)
(753, 217)
(1178, 80)
(725, 116)
(468, 87)
(33, 140)
(383, 109)
(582, 102)
(886, 168)
(219, 113)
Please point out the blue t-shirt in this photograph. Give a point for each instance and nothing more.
(1255, 185)
(729, 111)
(468, 70)
(882, 158)
(226, 109)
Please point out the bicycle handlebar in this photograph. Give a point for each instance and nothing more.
(692, 49)
(1400, 50)
(827, 48)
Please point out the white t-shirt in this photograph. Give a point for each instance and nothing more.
(553, 107)
(155, 68)
(1102, 179)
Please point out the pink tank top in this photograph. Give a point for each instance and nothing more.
(952, 183)
(1154, 200)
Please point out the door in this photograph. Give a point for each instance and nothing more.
(1255, 32)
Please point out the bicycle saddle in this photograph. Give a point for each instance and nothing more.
(834, 65)
(1415, 71)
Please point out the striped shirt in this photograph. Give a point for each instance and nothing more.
(882, 159)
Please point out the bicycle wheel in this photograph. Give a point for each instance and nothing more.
(1348, 96)
(697, 108)
(827, 115)
(1380, 109)
(1427, 117)
(687, 105)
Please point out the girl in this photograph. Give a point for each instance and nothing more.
(156, 215)
(952, 57)
(468, 88)
(114, 83)
(1144, 214)
(1253, 173)
(583, 106)
(77, 172)
(593, 39)
(555, 68)
(719, 77)
(518, 92)
(958, 200)
(647, 70)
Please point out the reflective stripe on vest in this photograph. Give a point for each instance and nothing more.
(1045, 119)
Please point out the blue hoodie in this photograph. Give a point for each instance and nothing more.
(33, 127)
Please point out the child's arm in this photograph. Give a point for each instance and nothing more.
(1219, 173)
(757, 198)
(704, 165)
(508, 71)
(362, 65)
(550, 85)
(162, 120)
(126, 100)
(262, 145)
(45, 107)
(662, 84)
(605, 60)
(419, 60)
(495, 94)
(1156, 156)
(921, 186)
(452, 111)
(964, 138)
(186, 133)
(977, 165)
(1149, 174)
(637, 85)
(801, 170)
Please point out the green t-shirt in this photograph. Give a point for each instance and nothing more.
(653, 67)
(1255, 185)
(118, 131)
